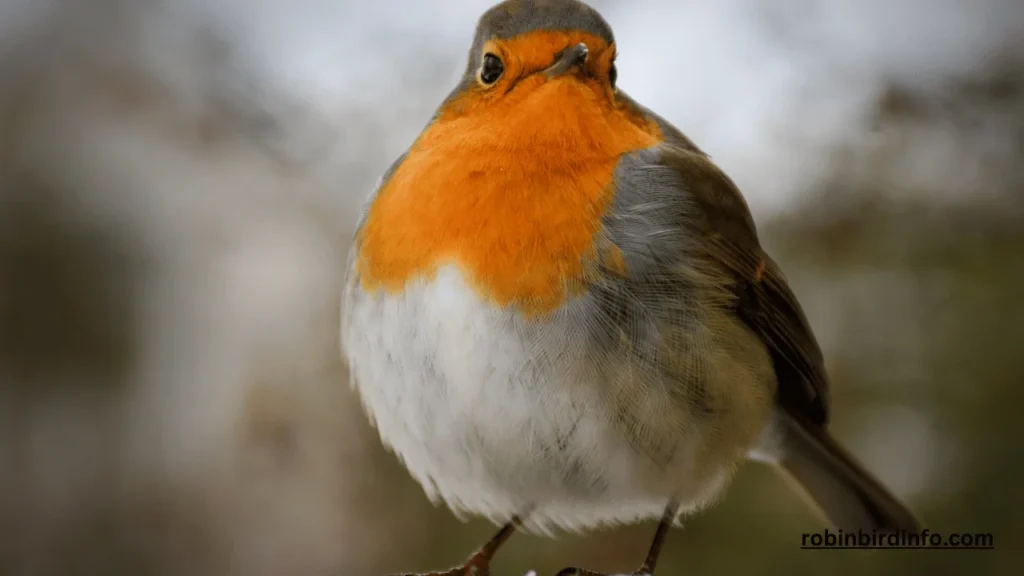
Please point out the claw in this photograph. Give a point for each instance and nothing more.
(475, 566)
(585, 572)
(479, 564)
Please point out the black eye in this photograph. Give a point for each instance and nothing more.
(491, 70)
(613, 75)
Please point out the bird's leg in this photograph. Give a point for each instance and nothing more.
(479, 564)
(659, 539)
(647, 568)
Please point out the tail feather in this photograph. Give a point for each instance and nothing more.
(844, 491)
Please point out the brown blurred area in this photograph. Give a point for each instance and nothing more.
(172, 400)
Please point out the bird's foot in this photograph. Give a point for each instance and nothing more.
(585, 572)
(477, 565)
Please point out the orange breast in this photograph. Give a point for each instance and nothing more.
(512, 195)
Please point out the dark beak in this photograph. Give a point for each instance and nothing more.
(568, 60)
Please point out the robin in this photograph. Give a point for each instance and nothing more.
(558, 313)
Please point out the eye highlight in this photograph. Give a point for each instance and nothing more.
(491, 69)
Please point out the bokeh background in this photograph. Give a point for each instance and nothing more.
(178, 184)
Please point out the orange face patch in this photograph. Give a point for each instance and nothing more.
(510, 182)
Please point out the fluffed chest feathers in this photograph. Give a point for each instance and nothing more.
(493, 412)
(468, 393)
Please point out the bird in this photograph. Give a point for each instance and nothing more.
(557, 312)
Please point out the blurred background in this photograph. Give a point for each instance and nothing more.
(178, 184)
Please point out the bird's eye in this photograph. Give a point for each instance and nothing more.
(613, 75)
(492, 69)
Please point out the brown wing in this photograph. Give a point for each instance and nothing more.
(763, 298)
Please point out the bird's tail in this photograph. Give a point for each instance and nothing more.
(842, 489)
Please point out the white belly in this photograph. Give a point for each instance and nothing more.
(478, 406)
